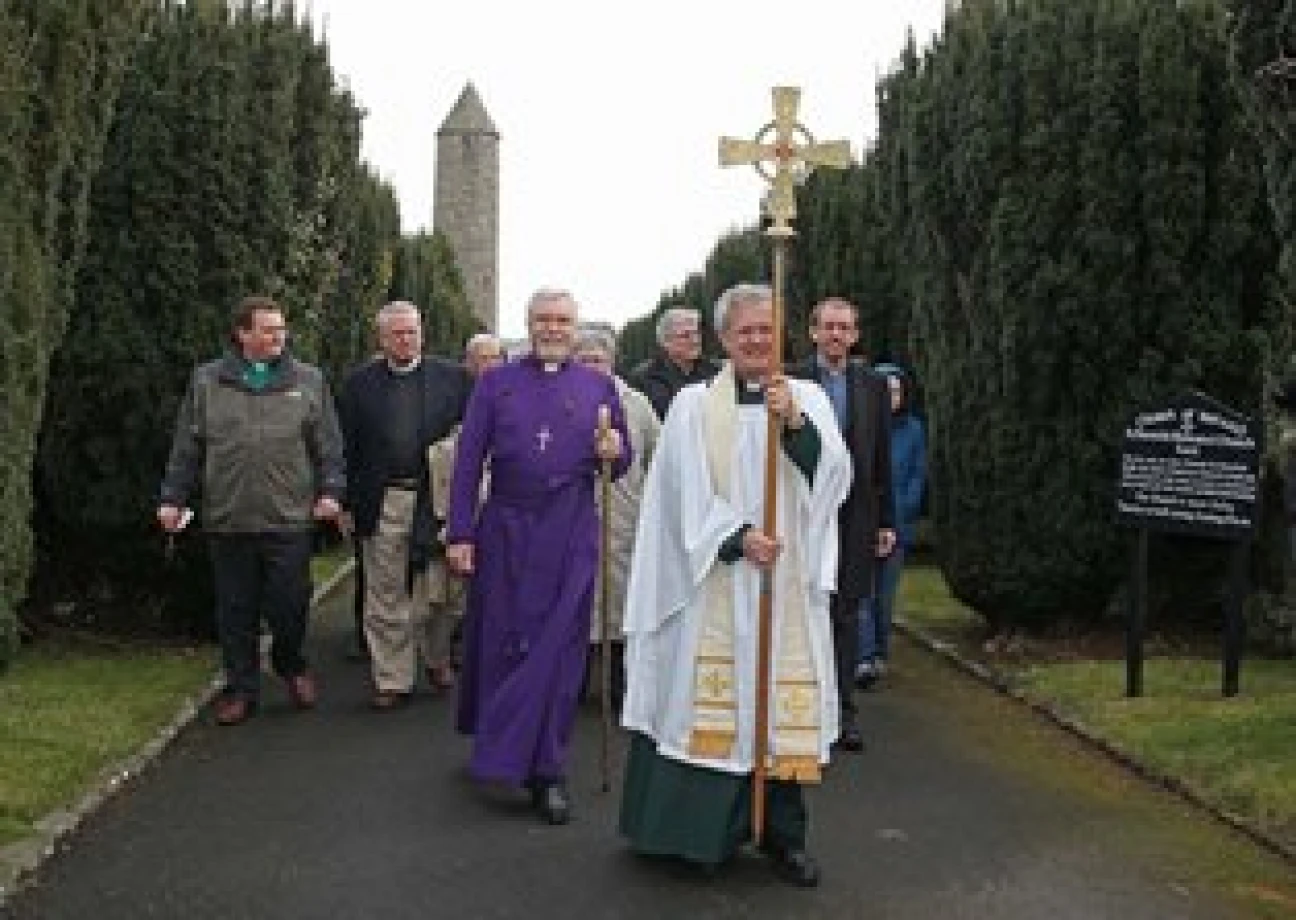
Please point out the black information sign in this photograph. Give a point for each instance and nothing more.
(1192, 467)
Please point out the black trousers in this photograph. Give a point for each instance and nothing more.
(844, 613)
(260, 575)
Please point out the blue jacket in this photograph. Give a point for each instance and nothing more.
(908, 473)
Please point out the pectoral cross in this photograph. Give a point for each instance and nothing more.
(543, 436)
(791, 161)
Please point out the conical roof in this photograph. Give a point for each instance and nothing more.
(468, 116)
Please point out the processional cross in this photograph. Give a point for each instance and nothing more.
(776, 143)
(783, 152)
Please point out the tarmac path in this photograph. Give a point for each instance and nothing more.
(964, 805)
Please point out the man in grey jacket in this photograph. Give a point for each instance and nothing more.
(260, 430)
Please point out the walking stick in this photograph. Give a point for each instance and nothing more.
(782, 151)
(605, 640)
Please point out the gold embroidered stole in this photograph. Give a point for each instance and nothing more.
(796, 705)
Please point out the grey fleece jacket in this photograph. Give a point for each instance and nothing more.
(264, 456)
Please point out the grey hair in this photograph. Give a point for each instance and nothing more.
(590, 337)
(480, 339)
(738, 294)
(667, 321)
(544, 295)
(389, 310)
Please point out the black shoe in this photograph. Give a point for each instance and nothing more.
(552, 801)
(796, 867)
(850, 739)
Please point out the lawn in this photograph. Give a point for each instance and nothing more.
(327, 562)
(1236, 753)
(70, 708)
(73, 706)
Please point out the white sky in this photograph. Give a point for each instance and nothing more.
(609, 114)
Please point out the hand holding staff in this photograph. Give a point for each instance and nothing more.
(778, 154)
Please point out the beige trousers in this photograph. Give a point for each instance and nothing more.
(396, 621)
(445, 600)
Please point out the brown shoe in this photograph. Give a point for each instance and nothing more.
(232, 710)
(388, 700)
(302, 692)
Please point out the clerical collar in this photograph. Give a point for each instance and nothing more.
(548, 367)
(750, 393)
(408, 368)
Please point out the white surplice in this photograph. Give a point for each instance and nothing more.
(685, 518)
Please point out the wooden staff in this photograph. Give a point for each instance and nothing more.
(605, 627)
(765, 616)
(783, 152)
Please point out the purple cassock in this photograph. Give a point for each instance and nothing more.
(526, 628)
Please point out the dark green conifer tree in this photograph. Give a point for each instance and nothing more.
(61, 63)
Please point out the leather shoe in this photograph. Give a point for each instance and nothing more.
(232, 710)
(389, 700)
(552, 801)
(796, 867)
(302, 691)
(850, 739)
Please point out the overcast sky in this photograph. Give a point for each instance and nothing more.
(609, 115)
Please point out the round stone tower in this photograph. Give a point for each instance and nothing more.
(466, 207)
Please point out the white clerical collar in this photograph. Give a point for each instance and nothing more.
(408, 368)
(551, 367)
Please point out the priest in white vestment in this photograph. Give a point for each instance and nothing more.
(693, 600)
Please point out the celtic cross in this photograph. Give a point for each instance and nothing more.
(777, 144)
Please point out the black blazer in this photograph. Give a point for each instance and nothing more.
(869, 506)
(360, 410)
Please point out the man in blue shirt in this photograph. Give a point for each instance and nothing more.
(861, 403)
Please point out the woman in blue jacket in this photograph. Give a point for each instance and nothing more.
(908, 476)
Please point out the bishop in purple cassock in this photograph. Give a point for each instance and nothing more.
(532, 551)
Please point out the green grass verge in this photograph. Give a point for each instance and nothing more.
(71, 707)
(326, 563)
(1236, 753)
(69, 710)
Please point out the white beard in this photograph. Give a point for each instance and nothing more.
(550, 353)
